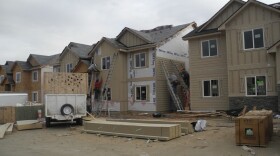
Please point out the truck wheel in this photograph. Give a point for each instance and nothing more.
(67, 109)
(79, 121)
(48, 121)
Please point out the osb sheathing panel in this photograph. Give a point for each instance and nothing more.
(65, 83)
(138, 130)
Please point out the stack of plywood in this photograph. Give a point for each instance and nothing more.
(134, 130)
(65, 83)
(6, 129)
(186, 127)
(29, 124)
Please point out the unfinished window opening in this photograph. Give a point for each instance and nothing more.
(210, 88)
(141, 93)
(256, 85)
(209, 48)
(35, 75)
(140, 60)
(69, 67)
(34, 96)
(253, 39)
(106, 62)
(18, 77)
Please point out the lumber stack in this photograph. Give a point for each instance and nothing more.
(6, 129)
(162, 132)
(29, 124)
(186, 126)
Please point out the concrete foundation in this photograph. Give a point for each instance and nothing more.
(135, 130)
(261, 102)
(186, 127)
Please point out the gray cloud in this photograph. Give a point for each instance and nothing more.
(47, 26)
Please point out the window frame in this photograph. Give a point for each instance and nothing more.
(145, 61)
(32, 96)
(2, 77)
(107, 94)
(110, 59)
(253, 39)
(35, 71)
(211, 95)
(256, 93)
(140, 86)
(70, 68)
(209, 50)
(18, 74)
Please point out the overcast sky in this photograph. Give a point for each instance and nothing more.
(46, 26)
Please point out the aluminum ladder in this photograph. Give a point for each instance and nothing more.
(174, 96)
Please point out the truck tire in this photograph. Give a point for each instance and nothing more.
(67, 109)
(79, 121)
(48, 121)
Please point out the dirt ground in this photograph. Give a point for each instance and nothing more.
(67, 139)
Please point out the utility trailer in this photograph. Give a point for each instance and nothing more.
(65, 97)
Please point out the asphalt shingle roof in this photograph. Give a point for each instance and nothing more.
(81, 50)
(24, 65)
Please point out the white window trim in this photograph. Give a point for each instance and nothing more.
(255, 79)
(35, 71)
(18, 73)
(253, 39)
(102, 62)
(140, 60)
(140, 93)
(219, 87)
(35, 92)
(69, 67)
(201, 48)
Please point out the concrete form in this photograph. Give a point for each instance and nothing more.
(186, 127)
(135, 130)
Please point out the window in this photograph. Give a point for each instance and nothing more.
(69, 67)
(34, 75)
(34, 96)
(56, 69)
(106, 61)
(256, 85)
(141, 93)
(209, 48)
(210, 88)
(140, 60)
(253, 39)
(18, 77)
(1, 78)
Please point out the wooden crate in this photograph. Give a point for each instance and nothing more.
(269, 118)
(7, 114)
(251, 130)
(65, 83)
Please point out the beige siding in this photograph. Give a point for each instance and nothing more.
(278, 65)
(254, 62)
(81, 68)
(24, 85)
(118, 82)
(33, 62)
(68, 58)
(2, 86)
(211, 68)
(162, 93)
(35, 86)
(224, 15)
(130, 39)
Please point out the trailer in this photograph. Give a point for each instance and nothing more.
(65, 97)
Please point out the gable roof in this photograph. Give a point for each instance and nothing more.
(9, 79)
(80, 50)
(86, 62)
(111, 41)
(25, 66)
(219, 12)
(158, 34)
(244, 7)
(8, 66)
(275, 5)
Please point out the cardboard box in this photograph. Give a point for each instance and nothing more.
(269, 115)
(251, 130)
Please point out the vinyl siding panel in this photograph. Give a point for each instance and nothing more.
(130, 39)
(210, 68)
(253, 62)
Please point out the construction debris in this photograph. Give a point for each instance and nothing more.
(135, 130)
(10, 128)
(245, 148)
(3, 129)
(29, 124)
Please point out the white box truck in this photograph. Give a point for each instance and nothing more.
(65, 97)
